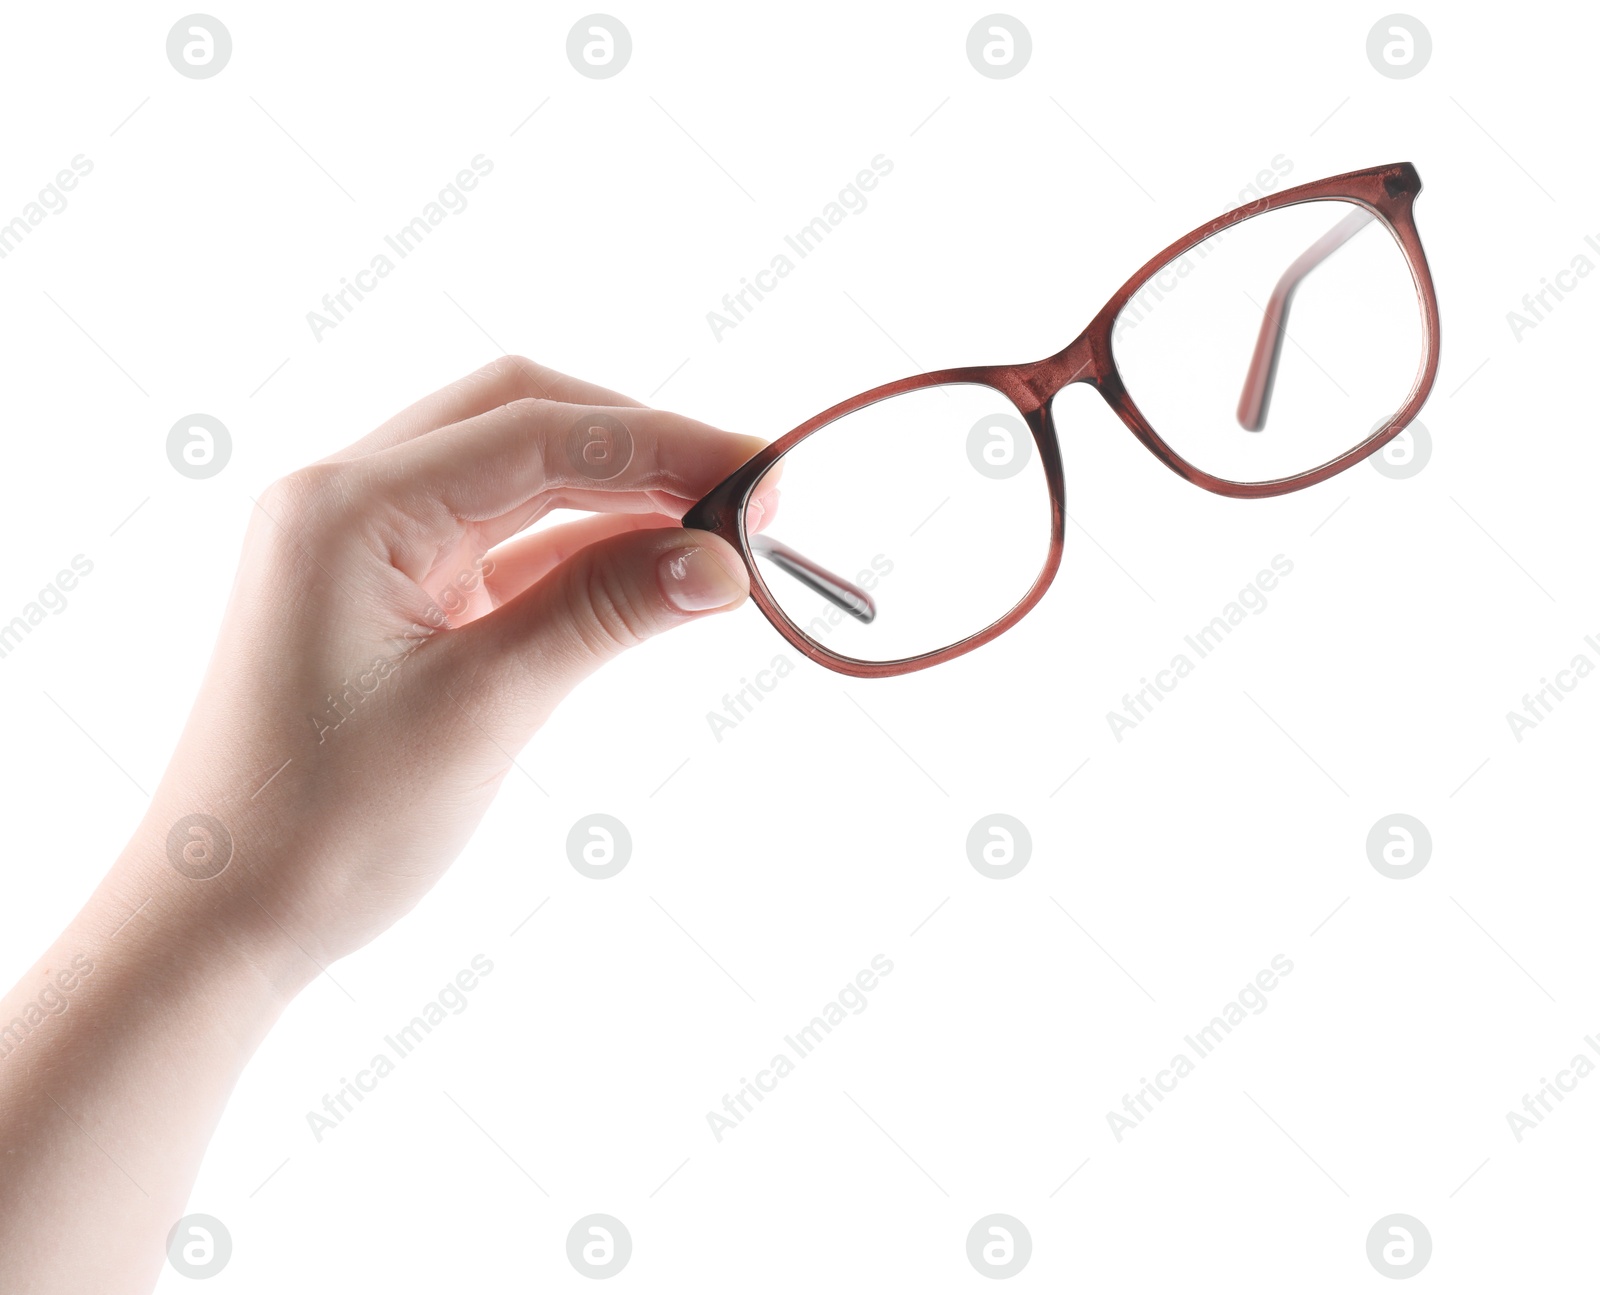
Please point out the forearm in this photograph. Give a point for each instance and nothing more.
(118, 1051)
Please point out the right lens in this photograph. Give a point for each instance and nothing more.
(1276, 345)
(905, 526)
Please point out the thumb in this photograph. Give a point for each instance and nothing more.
(607, 597)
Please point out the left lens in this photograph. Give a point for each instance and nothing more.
(904, 526)
(1276, 345)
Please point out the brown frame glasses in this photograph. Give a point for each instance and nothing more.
(1384, 193)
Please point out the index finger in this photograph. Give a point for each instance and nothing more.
(501, 381)
(532, 455)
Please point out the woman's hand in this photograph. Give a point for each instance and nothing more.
(391, 643)
(382, 668)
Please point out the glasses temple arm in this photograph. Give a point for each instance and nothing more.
(1257, 394)
(837, 590)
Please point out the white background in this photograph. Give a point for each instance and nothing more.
(1167, 868)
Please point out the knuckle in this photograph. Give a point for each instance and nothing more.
(530, 417)
(517, 375)
(304, 493)
(311, 501)
(609, 614)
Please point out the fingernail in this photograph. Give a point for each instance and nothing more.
(758, 512)
(695, 580)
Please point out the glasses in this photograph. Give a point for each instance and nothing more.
(915, 522)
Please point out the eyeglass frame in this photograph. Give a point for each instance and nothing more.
(1387, 192)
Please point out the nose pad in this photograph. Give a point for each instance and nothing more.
(1086, 404)
(1046, 422)
(1074, 407)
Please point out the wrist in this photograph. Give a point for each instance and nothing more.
(184, 905)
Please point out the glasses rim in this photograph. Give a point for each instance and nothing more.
(1387, 192)
(1049, 450)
